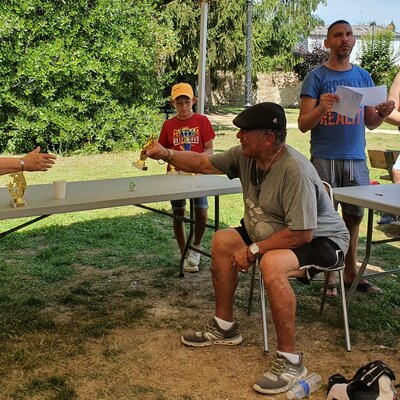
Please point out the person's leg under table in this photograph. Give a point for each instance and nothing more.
(225, 279)
(351, 271)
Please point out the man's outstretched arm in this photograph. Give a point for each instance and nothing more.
(188, 161)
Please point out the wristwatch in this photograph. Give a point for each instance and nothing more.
(255, 250)
(22, 164)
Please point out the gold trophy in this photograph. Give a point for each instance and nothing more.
(141, 162)
(17, 187)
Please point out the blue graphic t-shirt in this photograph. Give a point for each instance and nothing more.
(336, 136)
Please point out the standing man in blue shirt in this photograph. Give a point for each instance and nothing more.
(338, 142)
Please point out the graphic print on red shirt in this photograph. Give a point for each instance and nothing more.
(190, 134)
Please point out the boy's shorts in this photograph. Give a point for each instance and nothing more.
(343, 173)
(321, 254)
(199, 202)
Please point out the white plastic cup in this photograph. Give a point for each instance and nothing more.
(59, 189)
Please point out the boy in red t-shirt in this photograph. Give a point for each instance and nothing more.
(188, 131)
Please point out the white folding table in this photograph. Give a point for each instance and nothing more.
(95, 194)
(384, 198)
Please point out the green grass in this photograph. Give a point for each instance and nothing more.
(81, 275)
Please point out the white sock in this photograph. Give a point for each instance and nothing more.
(225, 325)
(293, 358)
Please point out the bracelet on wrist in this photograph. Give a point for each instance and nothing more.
(169, 156)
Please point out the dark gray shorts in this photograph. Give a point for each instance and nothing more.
(343, 173)
(321, 254)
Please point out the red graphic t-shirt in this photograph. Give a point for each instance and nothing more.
(189, 134)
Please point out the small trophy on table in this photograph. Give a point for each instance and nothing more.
(17, 187)
(140, 164)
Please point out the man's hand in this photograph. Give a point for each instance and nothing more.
(37, 161)
(326, 102)
(240, 260)
(385, 109)
(157, 152)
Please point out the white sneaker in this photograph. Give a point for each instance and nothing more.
(193, 256)
(192, 260)
(189, 267)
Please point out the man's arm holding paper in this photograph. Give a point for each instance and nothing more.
(377, 107)
(346, 102)
(311, 113)
(374, 116)
(373, 99)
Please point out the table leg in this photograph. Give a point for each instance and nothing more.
(192, 224)
(216, 213)
(189, 238)
(5, 233)
(364, 264)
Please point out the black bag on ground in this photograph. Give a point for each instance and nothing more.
(374, 381)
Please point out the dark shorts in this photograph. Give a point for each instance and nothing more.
(200, 202)
(343, 173)
(321, 254)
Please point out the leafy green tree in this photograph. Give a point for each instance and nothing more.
(225, 36)
(277, 26)
(80, 73)
(378, 57)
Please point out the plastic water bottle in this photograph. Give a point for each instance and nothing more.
(303, 388)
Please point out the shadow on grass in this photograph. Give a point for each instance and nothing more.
(54, 387)
(98, 272)
(373, 317)
(97, 275)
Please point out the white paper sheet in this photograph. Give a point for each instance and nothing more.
(372, 96)
(349, 101)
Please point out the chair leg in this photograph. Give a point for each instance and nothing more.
(344, 305)
(324, 289)
(252, 279)
(263, 312)
(344, 309)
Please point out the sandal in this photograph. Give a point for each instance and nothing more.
(366, 287)
(331, 290)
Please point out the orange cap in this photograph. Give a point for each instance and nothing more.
(181, 89)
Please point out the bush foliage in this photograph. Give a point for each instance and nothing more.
(378, 57)
(79, 74)
(310, 60)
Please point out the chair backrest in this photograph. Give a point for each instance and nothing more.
(329, 190)
(377, 159)
(383, 159)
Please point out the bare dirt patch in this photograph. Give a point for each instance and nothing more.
(143, 358)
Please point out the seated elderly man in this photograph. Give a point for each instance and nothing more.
(289, 224)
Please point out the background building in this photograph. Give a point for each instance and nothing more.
(318, 35)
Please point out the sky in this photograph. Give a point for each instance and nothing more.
(361, 12)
